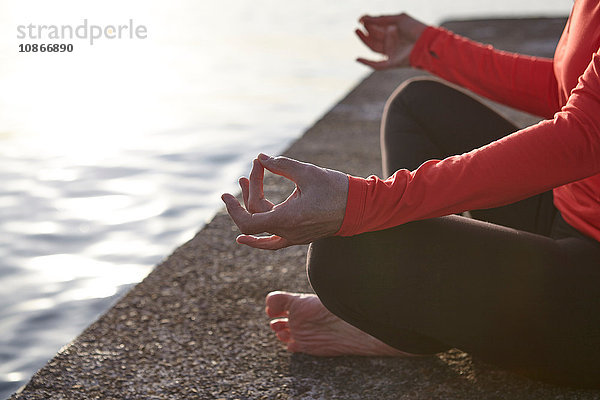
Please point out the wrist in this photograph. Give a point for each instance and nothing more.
(354, 210)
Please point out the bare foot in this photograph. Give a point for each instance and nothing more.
(306, 326)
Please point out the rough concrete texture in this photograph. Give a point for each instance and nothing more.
(196, 328)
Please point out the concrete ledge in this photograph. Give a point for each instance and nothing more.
(196, 328)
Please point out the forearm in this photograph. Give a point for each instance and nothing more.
(524, 82)
(541, 157)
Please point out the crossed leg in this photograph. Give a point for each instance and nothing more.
(504, 291)
(422, 120)
(521, 301)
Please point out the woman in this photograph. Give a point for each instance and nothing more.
(396, 273)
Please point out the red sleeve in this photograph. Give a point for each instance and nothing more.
(523, 82)
(538, 158)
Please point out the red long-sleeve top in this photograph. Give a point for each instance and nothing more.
(560, 153)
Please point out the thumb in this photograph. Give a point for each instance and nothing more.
(377, 65)
(292, 169)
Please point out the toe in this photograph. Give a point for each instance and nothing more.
(284, 335)
(293, 347)
(280, 324)
(274, 314)
(278, 303)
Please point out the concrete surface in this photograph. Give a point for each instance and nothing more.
(195, 328)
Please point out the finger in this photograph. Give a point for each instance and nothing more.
(256, 195)
(380, 19)
(272, 242)
(376, 31)
(370, 41)
(377, 65)
(256, 180)
(235, 210)
(246, 222)
(244, 184)
(292, 169)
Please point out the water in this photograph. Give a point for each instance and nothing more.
(116, 153)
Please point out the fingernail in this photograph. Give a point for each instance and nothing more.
(263, 157)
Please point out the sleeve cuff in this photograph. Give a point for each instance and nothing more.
(421, 55)
(355, 206)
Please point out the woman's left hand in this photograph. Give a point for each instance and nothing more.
(393, 36)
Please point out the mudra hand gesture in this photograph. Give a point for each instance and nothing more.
(394, 36)
(314, 210)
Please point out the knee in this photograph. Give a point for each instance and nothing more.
(410, 93)
(406, 109)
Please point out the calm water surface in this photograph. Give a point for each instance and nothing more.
(116, 153)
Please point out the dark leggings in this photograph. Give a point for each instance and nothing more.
(515, 286)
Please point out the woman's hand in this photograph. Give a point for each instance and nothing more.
(314, 210)
(394, 36)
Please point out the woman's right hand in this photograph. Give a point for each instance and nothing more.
(393, 36)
